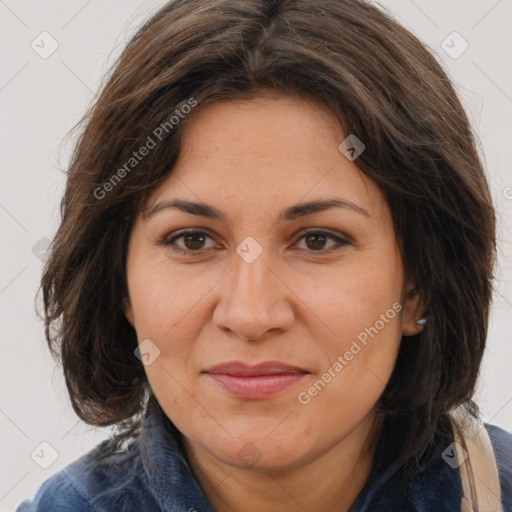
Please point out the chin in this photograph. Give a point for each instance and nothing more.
(261, 451)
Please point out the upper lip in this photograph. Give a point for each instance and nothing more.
(241, 369)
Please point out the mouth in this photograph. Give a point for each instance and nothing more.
(255, 382)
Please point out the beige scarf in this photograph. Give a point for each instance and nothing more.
(478, 471)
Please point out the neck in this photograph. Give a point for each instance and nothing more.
(329, 482)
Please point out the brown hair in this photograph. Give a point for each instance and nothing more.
(383, 85)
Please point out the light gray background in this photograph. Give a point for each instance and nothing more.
(40, 101)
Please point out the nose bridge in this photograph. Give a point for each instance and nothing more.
(251, 304)
(251, 284)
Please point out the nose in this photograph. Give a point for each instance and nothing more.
(255, 302)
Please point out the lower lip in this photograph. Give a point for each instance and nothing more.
(261, 386)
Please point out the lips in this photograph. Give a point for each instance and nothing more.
(255, 381)
(240, 369)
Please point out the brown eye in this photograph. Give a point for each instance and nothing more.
(315, 241)
(192, 242)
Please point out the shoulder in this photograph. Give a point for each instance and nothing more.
(94, 482)
(501, 441)
(58, 494)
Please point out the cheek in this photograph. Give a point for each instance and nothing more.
(166, 307)
(353, 296)
(163, 296)
(361, 311)
(359, 363)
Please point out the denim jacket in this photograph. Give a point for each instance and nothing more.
(153, 474)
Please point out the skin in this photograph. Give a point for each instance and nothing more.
(297, 302)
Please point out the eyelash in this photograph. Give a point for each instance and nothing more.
(170, 242)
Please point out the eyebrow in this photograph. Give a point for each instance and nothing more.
(293, 212)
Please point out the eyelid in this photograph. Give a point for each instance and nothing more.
(340, 237)
(167, 241)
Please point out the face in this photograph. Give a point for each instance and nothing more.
(303, 308)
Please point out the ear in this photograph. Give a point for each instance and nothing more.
(128, 313)
(412, 311)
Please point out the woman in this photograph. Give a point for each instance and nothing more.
(274, 272)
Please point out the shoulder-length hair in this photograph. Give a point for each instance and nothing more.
(382, 84)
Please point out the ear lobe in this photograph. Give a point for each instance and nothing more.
(412, 311)
(127, 308)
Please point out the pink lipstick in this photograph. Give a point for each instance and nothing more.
(255, 382)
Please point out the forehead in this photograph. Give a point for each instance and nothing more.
(275, 128)
(268, 151)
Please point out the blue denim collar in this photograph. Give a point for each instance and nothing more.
(166, 469)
